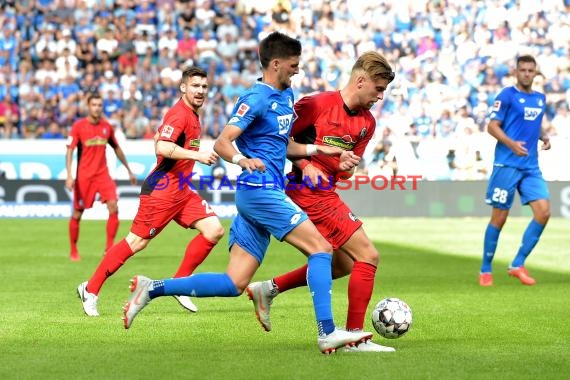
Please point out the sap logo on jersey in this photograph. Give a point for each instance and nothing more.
(284, 122)
(531, 113)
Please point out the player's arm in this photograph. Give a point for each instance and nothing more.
(295, 150)
(545, 139)
(494, 128)
(69, 181)
(121, 156)
(225, 148)
(71, 143)
(172, 151)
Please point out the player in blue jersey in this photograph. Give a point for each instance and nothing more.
(260, 126)
(516, 123)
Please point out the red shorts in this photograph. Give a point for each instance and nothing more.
(155, 213)
(85, 190)
(328, 212)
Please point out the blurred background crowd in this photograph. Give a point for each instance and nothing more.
(451, 59)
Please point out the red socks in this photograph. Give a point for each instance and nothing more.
(293, 279)
(112, 261)
(112, 227)
(360, 286)
(196, 252)
(73, 237)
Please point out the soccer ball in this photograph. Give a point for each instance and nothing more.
(392, 318)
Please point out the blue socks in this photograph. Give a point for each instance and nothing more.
(529, 240)
(319, 280)
(197, 285)
(489, 247)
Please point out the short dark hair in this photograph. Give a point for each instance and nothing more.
(526, 58)
(93, 95)
(278, 45)
(193, 71)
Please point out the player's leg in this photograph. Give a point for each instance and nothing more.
(360, 285)
(83, 197)
(107, 190)
(151, 212)
(244, 261)
(112, 223)
(199, 215)
(534, 192)
(115, 257)
(307, 239)
(500, 195)
(74, 234)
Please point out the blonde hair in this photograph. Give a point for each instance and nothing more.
(375, 65)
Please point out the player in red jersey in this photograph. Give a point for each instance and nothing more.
(166, 197)
(342, 119)
(90, 136)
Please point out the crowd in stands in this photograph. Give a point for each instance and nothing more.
(451, 59)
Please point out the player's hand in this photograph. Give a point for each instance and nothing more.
(329, 150)
(207, 158)
(519, 149)
(546, 144)
(251, 164)
(315, 175)
(69, 182)
(348, 160)
(132, 178)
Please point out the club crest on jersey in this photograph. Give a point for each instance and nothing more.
(167, 131)
(531, 113)
(496, 105)
(274, 106)
(353, 217)
(284, 123)
(242, 110)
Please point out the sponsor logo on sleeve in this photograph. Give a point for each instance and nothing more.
(69, 140)
(167, 131)
(242, 110)
(496, 105)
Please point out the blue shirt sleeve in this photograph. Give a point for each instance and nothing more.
(501, 106)
(248, 107)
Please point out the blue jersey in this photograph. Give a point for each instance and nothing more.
(520, 115)
(265, 115)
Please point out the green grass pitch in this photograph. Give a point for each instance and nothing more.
(460, 330)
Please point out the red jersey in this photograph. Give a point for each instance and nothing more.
(91, 141)
(169, 178)
(324, 119)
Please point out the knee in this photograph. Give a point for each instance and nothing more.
(324, 245)
(368, 254)
(543, 216)
(136, 243)
(214, 234)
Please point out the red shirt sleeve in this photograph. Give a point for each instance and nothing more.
(112, 140)
(171, 128)
(73, 137)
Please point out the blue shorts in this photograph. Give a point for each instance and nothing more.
(263, 212)
(505, 181)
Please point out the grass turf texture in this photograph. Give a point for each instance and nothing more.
(460, 331)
